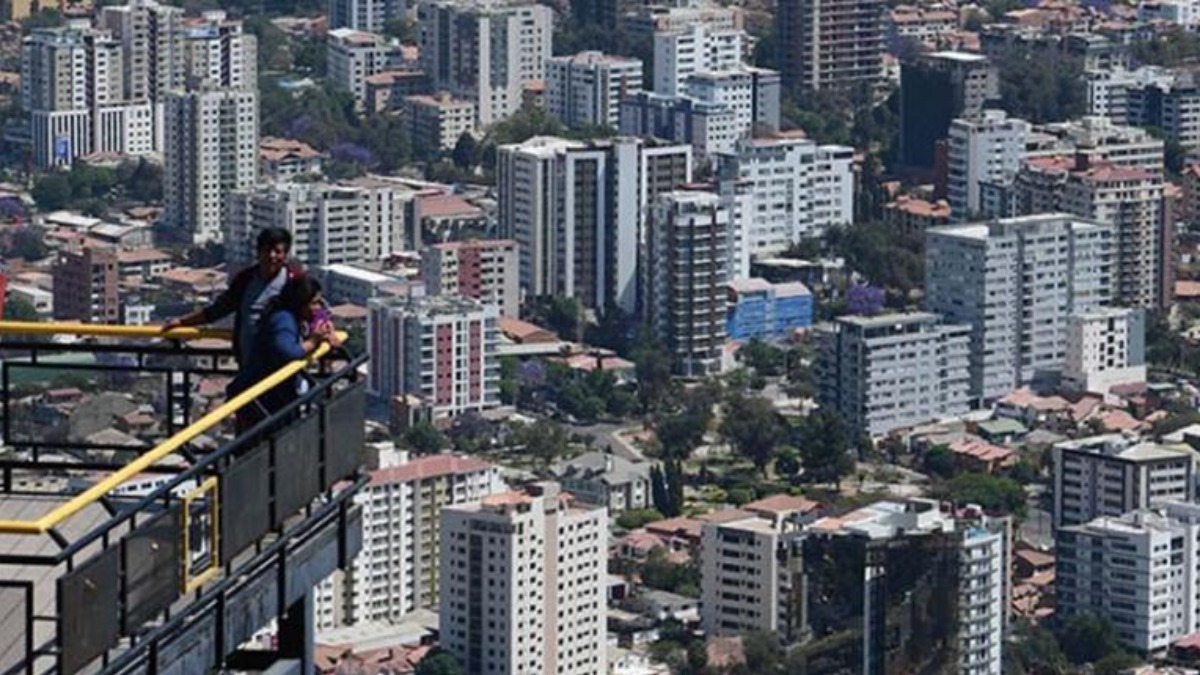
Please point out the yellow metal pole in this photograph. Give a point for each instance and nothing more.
(105, 330)
(94, 493)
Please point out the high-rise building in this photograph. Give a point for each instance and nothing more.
(440, 350)
(1170, 104)
(686, 270)
(783, 189)
(436, 122)
(371, 16)
(893, 371)
(1106, 348)
(935, 89)
(397, 570)
(352, 57)
(523, 584)
(988, 149)
(1110, 475)
(643, 21)
(709, 128)
(218, 53)
(903, 587)
(211, 151)
(86, 286)
(484, 51)
(587, 88)
(1137, 569)
(1127, 198)
(485, 270)
(1101, 138)
(1015, 283)
(329, 223)
(577, 210)
(152, 39)
(1109, 90)
(829, 43)
(699, 48)
(751, 93)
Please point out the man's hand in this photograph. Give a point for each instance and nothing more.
(172, 325)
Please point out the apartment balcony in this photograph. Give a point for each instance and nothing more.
(168, 550)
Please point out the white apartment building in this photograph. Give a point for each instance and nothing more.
(441, 350)
(781, 190)
(151, 36)
(686, 272)
(219, 53)
(643, 21)
(577, 212)
(709, 128)
(1138, 569)
(1110, 475)
(751, 93)
(699, 48)
(587, 88)
(988, 149)
(385, 215)
(1106, 348)
(396, 572)
(893, 371)
(486, 270)
(370, 16)
(523, 584)
(1109, 90)
(211, 151)
(437, 122)
(1016, 282)
(1101, 137)
(485, 52)
(357, 285)
(327, 222)
(352, 57)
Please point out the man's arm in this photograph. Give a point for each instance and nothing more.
(225, 304)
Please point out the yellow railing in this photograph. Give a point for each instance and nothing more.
(224, 411)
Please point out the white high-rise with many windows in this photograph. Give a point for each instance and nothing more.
(780, 190)
(485, 52)
(397, 570)
(987, 149)
(587, 88)
(523, 584)
(440, 350)
(211, 151)
(679, 54)
(365, 15)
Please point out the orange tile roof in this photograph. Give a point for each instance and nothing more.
(433, 466)
(1185, 289)
(444, 205)
(778, 504)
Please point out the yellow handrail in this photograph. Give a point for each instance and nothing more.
(94, 493)
(105, 330)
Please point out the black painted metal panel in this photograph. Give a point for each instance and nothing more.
(297, 481)
(193, 652)
(311, 562)
(245, 502)
(88, 620)
(344, 435)
(251, 607)
(153, 559)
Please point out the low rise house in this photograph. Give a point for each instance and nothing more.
(606, 479)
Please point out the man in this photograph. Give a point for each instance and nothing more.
(249, 292)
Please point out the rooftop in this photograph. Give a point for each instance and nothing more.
(433, 466)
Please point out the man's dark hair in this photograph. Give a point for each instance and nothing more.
(272, 237)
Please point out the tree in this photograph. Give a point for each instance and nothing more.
(424, 438)
(1041, 84)
(1035, 651)
(674, 480)
(752, 426)
(52, 191)
(544, 440)
(29, 243)
(993, 493)
(653, 367)
(787, 464)
(762, 650)
(658, 491)
(19, 309)
(465, 150)
(824, 440)
(635, 518)
(1087, 638)
(765, 359)
(939, 461)
(1115, 664)
(439, 662)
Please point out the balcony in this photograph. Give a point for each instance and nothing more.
(168, 551)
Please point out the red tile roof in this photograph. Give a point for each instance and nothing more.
(432, 466)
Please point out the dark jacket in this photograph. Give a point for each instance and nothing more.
(228, 302)
(276, 344)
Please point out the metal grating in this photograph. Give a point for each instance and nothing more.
(88, 617)
(152, 555)
(15, 608)
(344, 438)
(297, 480)
(245, 502)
